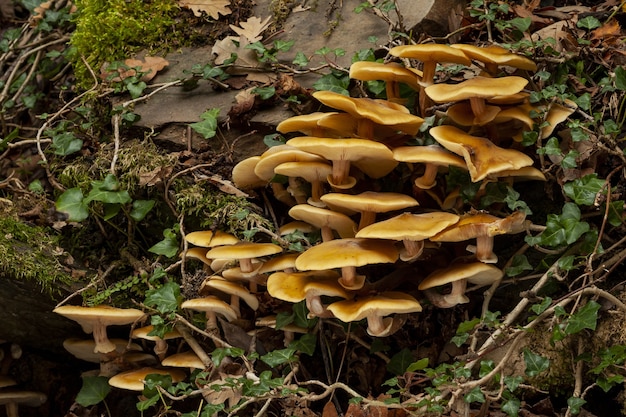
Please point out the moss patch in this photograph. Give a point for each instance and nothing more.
(29, 252)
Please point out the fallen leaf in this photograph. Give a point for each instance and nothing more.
(329, 410)
(213, 8)
(235, 45)
(252, 28)
(150, 65)
(245, 102)
(608, 30)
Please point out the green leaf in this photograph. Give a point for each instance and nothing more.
(574, 404)
(166, 299)
(168, 246)
(535, 364)
(511, 406)
(400, 362)
(620, 78)
(589, 23)
(283, 46)
(305, 344)
(136, 89)
(220, 353)
(66, 143)
(107, 191)
(474, 396)
(616, 212)
(264, 385)
(486, 366)
(519, 264)
(208, 126)
(585, 318)
(584, 190)
(562, 229)
(512, 382)
(71, 203)
(94, 390)
(418, 365)
(279, 356)
(264, 92)
(331, 83)
(140, 209)
(300, 60)
(521, 23)
(541, 307)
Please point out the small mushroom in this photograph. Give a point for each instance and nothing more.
(13, 399)
(235, 291)
(211, 306)
(96, 319)
(161, 346)
(183, 360)
(411, 229)
(433, 157)
(393, 74)
(494, 56)
(310, 286)
(457, 275)
(134, 380)
(375, 308)
(347, 254)
(245, 252)
(324, 219)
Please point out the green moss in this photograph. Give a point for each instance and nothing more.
(112, 30)
(29, 252)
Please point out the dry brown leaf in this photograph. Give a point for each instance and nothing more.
(235, 45)
(213, 8)
(329, 410)
(150, 65)
(609, 29)
(252, 28)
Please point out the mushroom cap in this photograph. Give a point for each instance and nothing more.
(133, 380)
(243, 250)
(481, 155)
(184, 360)
(522, 174)
(295, 226)
(333, 149)
(87, 317)
(383, 304)
(243, 175)
(211, 304)
(478, 273)
(230, 288)
(431, 52)
(495, 54)
(557, 113)
(270, 160)
(83, 349)
(390, 72)
(144, 333)
(197, 253)
(370, 201)
(209, 239)
(27, 398)
(279, 263)
(6, 381)
(305, 123)
(349, 252)
(320, 217)
(480, 224)
(310, 171)
(295, 286)
(481, 87)
(429, 154)
(462, 114)
(408, 226)
(379, 111)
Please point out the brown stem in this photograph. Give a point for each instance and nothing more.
(103, 344)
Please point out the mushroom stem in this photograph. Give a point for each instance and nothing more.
(234, 303)
(456, 296)
(375, 324)
(245, 264)
(484, 250)
(211, 322)
(11, 409)
(367, 218)
(281, 194)
(427, 180)
(412, 249)
(428, 75)
(478, 107)
(365, 128)
(341, 169)
(392, 89)
(316, 308)
(327, 234)
(160, 349)
(317, 190)
(348, 276)
(103, 344)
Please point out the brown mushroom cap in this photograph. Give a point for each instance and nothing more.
(305, 123)
(496, 55)
(231, 289)
(374, 307)
(134, 380)
(184, 360)
(410, 228)
(324, 219)
(369, 203)
(344, 151)
(430, 55)
(96, 319)
(434, 157)
(310, 286)
(280, 263)
(209, 239)
(244, 252)
(13, 398)
(211, 304)
(243, 174)
(392, 73)
(378, 111)
(347, 254)
(557, 113)
(83, 349)
(462, 114)
(481, 155)
(315, 173)
(279, 155)
(482, 87)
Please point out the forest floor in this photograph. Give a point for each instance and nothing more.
(125, 129)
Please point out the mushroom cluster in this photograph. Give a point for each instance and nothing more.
(11, 395)
(374, 181)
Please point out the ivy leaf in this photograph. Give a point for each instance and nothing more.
(165, 299)
(574, 404)
(168, 246)
(306, 344)
(66, 143)
(519, 264)
(300, 60)
(208, 126)
(220, 353)
(71, 202)
(535, 364)
(140, 209)
(264, 385)
(400, 362)
(94, 390)
(474, 396)
(511, 406)
(107, 191)
(561, 229)
(331, 83)
(541, 307)
(585, 318)
(584, 190)
(279, 356)
(620, 78)
(589, 23)
(418, 365)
